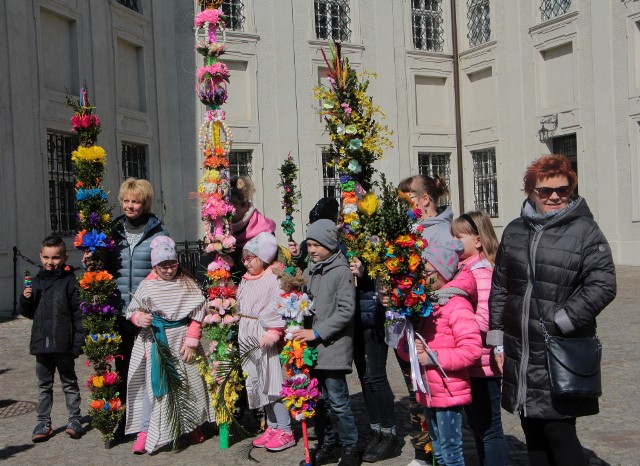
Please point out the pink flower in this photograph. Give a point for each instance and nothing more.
(207, 16)
(228, 241)
(212, 319)
(110, 378)
(228, 319)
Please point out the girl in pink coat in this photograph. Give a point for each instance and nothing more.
(453, 345)
(475, 231)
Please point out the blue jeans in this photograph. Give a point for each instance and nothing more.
(370, 357)
(445, 428)
(485, 419)
(335, 401)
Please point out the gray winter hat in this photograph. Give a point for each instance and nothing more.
(324, 232)
(444, 257)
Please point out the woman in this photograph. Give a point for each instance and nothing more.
(130, 263)
(555, 252)
(425, 193)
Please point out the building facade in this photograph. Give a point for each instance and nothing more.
(473, 90)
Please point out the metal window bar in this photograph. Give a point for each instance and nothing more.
(234, 11)
(478, 22)
(240, 163)
(485, 181)
(436, 163)
(330, 176)
(190, 256)
(551, 8)
(333, 20)
(131, 4)
(426, 19)
(134, 161)
(567, 146)
(62, 195)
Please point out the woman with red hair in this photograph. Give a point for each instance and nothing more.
(555, 265)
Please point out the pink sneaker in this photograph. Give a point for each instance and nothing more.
(139, 444)
(281, 440)
(261, 441)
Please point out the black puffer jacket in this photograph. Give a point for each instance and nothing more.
(575, 280)
(54, 307)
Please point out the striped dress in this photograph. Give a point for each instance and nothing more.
(256, 298)
(172, 300)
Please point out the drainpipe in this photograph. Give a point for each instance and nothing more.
(456, 94)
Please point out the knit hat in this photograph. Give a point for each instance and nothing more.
(264, 245)
(327, 208)
(162, 249)
(444, 257)
(324, 232)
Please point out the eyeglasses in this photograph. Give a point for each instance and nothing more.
(545, 193)
(428, 273)
(246, 259)
(167, 268)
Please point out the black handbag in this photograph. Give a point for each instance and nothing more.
(573, 363)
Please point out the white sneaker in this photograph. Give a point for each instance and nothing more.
(418, 463)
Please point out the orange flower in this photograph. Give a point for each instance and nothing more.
(97, 404)
(218, 275)
(218, 151)
(414, 262)
(216, 162)
(79, 184)
(405, 283)
(77, 242)
(349, 197)
(115, 404)
(103, 275)
(405, 241)
(393, 264)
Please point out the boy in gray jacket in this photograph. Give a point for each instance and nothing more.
(330, 285)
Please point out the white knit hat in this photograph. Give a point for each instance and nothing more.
(163, 249)
(264, 245)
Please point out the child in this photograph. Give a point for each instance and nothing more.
(57, 335)
(330, 285)
(170, 302)
(476, 233)
(454, 345)
(260, 322)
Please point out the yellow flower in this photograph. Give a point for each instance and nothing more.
(368, 204)
(89, 154)
(106, 218)
(98, 381)
(350, 217)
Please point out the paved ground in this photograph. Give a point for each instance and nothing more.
(612, 437)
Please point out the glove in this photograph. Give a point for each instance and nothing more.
(270, 338)
(141, 319)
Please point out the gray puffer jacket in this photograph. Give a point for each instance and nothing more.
(437, 230)
(330, 285)
(130, 266)
(576, 280)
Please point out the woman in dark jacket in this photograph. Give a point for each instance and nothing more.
(574, 281)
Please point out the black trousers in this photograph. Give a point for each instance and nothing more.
(553, 442)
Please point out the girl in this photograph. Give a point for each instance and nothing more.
(259, 321)
(475, 231)
(454, 345)
(170, 302)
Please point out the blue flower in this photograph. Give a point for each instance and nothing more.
(411, 215)
(427, 309)
(94, 239)
(93, 193)
(345, 179)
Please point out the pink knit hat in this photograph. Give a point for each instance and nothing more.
(163, 249)
(444, 257)
(264, 245)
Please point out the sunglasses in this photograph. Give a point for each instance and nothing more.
(545, 193)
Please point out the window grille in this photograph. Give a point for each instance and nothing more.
(426, 18)
(567, 146)
(436, 163)
(234, 11)
(62, 195)
(330, 176)
(131, 4)
(134, 161)
(478, 22)
(485, 181)
(552, 8)
(240, 163)
(332, 20)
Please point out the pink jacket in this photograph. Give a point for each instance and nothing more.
(244, 230)
(451, 330)
(482, 270)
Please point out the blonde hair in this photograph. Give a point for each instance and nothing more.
(242, 190)
(142, 189)
(481, 226)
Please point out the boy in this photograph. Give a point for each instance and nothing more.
(57, 335)
(330, 285)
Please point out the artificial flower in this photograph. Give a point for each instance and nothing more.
(368, 204)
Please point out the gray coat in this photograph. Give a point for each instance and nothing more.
(575, 279)
(128, 265)
(330, 285)
(437, 230)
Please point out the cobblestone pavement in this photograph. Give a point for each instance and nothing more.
(612, 437)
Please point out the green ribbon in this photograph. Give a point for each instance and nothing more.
(159, 384)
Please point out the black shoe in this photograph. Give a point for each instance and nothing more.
(389, 447)
(327, 454)
(75, 429)
(42, 432)
(370, 448)
(350, 456)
